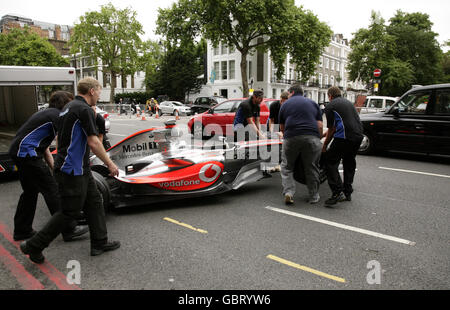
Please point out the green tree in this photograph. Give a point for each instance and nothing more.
(111, 35)
(178, 70)
(416, 44)
(278, 26)
(446, 64)
(21, 47)
(406, 51)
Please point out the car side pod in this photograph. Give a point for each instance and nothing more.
(248, 174)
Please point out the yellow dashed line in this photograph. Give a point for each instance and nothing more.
(185, 225)
(304, 268)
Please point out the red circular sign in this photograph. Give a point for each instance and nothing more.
(377, 73)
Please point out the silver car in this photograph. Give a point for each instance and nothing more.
(174, 108)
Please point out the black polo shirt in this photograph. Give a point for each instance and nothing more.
(76, 123)
(342, 114)
(246, 110)
(275, 111)
(100, 122)
(35, 136)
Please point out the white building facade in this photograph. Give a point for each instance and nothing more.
(85, 67)
(224, 73)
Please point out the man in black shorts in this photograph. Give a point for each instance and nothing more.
(77, 135)
(345, 128)
(29, 149)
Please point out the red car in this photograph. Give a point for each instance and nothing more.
(219, 119)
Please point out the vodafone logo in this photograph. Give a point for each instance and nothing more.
(2, 169)
(209, 172)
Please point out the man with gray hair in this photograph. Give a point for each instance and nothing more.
(301, 124)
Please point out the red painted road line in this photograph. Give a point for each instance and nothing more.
(48, 269)
(26, 280)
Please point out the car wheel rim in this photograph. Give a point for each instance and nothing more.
(365, 144)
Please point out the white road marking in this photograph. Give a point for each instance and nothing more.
(342, 226)
(417, 172)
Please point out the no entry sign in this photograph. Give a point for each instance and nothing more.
(377, 73)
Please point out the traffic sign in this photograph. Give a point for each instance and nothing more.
(377, 73)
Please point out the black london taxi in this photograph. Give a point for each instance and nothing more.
(418, 122)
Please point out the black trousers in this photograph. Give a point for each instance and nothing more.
(345, 150)
(35, 177)
(78, 193)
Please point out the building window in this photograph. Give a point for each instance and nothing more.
(321, 61)
(320, 79)
(326, 80)
(274, 93)
(338, 64)
(260, 63)
(224, 49)
(216, 70)
(216, 50)
(332, 80)
(332, 65)
(327, 63)
(231, 66)
(223, 72)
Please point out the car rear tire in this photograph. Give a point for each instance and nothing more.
(367, 145)
(103, 188)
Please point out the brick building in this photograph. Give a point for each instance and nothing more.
(57, 35)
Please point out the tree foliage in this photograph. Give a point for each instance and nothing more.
(446, 64)
(406, 51)
(22, 47)
(284, 27)
(178, 70)
(111, 35)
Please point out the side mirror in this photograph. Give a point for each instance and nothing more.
(211, 111)
(396, 112)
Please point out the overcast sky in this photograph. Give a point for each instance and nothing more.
(343, 16)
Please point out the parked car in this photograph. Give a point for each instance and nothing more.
(375, 104)
(217, 118)
(203, 104)
(418, 122)
(174, 108)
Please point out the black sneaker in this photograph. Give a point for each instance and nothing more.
(35, 256)
(348, 197)
(75, 233)
(108, 246)
(335, 199)
(19, 237)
